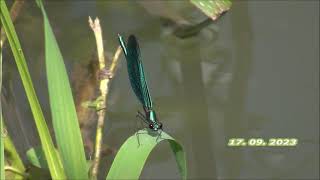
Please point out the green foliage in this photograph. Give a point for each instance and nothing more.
(36, 157)
(69, 162)
(12, 156)
(64, 116)
(56, 169)
(212, 8)
(133, 154)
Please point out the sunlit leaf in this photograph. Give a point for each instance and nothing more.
(133, 154)
(64, 116)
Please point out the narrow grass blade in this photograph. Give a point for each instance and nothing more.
(64, 116)
(212, 8)
(56, 169)
(133, 154)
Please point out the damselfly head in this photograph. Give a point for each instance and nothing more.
(155, 126)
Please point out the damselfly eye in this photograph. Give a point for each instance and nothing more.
(160, 125)
(151, 126)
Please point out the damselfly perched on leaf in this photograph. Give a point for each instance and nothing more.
(138, 81)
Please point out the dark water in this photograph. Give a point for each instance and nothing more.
(255, 73)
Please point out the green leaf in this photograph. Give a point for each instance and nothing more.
(36, 157)
(55, 167)
(133, 154)
(64, 116)
(212, 8)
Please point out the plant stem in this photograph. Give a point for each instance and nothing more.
(16, 171)
(104, 89)
(11, 153)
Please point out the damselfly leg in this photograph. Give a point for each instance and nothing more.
(141, 116)
(159, 136)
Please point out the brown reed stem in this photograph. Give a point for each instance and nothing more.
(104, 90)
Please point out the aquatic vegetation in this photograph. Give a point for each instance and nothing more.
(67, 159)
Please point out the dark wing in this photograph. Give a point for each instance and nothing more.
(135, 71)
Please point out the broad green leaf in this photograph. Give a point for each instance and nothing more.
(212, 8)
(64, 116)
(56, 169)
(133, 154)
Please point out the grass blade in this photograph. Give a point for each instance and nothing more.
(64, 116)
(133, 154)
(55, 168)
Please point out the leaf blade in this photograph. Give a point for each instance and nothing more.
(64, 117)
(133, 154)
(55, 169)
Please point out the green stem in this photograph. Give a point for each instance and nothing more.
(12, 155)
(16, 171)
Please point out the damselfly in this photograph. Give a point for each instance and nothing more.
(138, 81)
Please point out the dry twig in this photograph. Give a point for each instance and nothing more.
(104, 89)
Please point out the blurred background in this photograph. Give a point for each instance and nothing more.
(253, 73)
